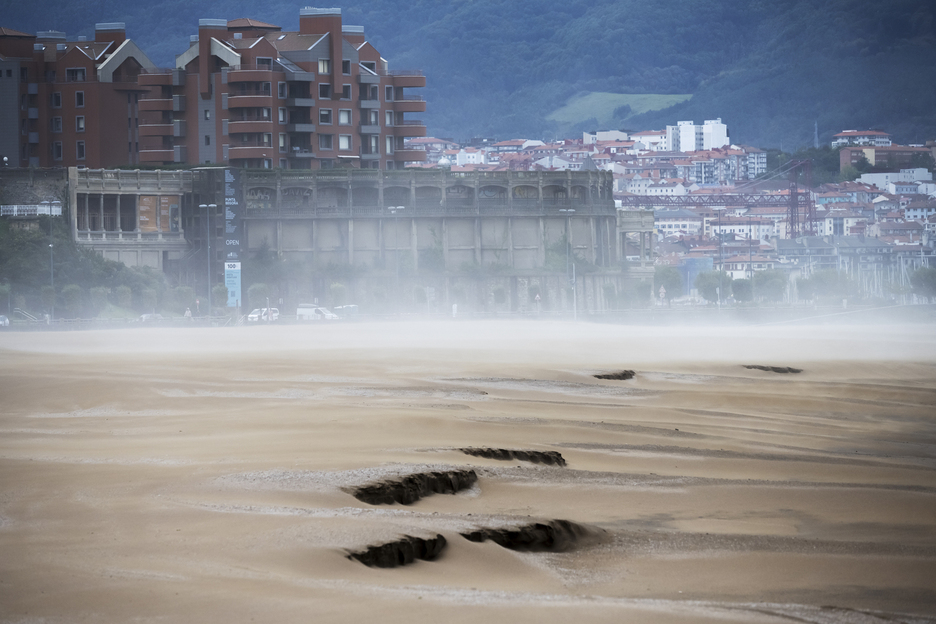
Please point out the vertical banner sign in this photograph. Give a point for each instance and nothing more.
(232, 236)
(148, 213)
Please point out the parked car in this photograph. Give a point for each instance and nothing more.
(4, 321)
(346, 311)
(263, 314)
(309, 312)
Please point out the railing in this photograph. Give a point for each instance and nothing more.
(429, 207)
(18, 210)
(117, 235)
(91, 180)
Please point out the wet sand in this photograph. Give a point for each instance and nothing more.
(195, 475)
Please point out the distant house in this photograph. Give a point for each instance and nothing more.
(875, 138)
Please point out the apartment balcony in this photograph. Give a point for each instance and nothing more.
(147, 130)
(33, 137)
(178, 128)
(157, 156)
(410, 128)
(410, 104)
(178, 103)
(369, 129)
(364, 78)
(300, 152)
(32, 88)
(249, 75)
(156, 80)
(256, 151)
(368, 104)
(180, 153)
(254, 126)
(300, 102)
(32, 113)
(249, 101)
(300, 127)
(370, 155)
(407, 78)
(156, 104)
(410, 155)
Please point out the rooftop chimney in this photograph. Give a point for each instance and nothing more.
(208, 28)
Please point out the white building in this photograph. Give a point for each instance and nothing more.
(881, 180)
(874, 138)
(686, 136)
(748, 227)
(650, 140)
(589, 138)
(677, 221)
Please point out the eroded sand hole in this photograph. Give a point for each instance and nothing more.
(553, 536)
(409, 489)
(550, 458)
(619, 375)
(400, 552)
(774, 369)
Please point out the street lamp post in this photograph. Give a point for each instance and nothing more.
(52, 280)
(396, 250)
(208, 208)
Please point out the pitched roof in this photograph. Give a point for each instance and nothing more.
(9, 32)
(246, 22)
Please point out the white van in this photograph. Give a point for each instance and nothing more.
(311, 312)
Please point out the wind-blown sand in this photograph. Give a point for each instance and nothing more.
(196, 475)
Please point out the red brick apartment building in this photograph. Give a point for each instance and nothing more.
(70, 103)
(244, 94)
(249, 95)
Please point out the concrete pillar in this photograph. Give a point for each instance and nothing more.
(445, 247)
(510, 247)
(279, 236)
(381, 250)
(136, 213)
(315, 245)
(541, 248)
(414, 244)
(350, 241)
(101, 210)
(477, 240)
(592, 242)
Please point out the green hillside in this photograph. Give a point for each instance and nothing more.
(770, 70)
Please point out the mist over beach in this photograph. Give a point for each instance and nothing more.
(216, 474)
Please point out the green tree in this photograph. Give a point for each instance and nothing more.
(257, 295)
(337, 294)
(123, 295)
(770, 284)
(219, 295)
(743, 290)
(832, 286)
(148, 299)
(182, 297)
(6, 296)
(923, 281)
(805, 288)
(707, 283)
(71, 300)
(47, 295)
(670, 279)
(97, 299)
(610, 295)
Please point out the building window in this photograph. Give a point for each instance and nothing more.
(266, 113)
(325, 141)
(267, 139)
(57, 99)
(371, 65)
(345, 92)
(389, 145)
(267, 163)
(324, 91)
(388, 93)
(375, 118)
(344, 142)
(346, 67)
(75, 74)
(389, 118)
(326, 163)
(266, 88)
(344, 117)
(79, 99)
(57, 150)
(56, 124)
(282, 115)
(207, 114)
(207, 140)
(325, 116)
(49, 75)
(80, 150)
(264, 63)
(282, 163)
(281, 90)
(324, 66)
(79, 123)
(282, 143)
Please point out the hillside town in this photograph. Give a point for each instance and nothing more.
(878, 228)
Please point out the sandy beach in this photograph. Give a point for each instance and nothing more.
(208, 475)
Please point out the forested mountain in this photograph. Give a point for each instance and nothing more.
(769, 69)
